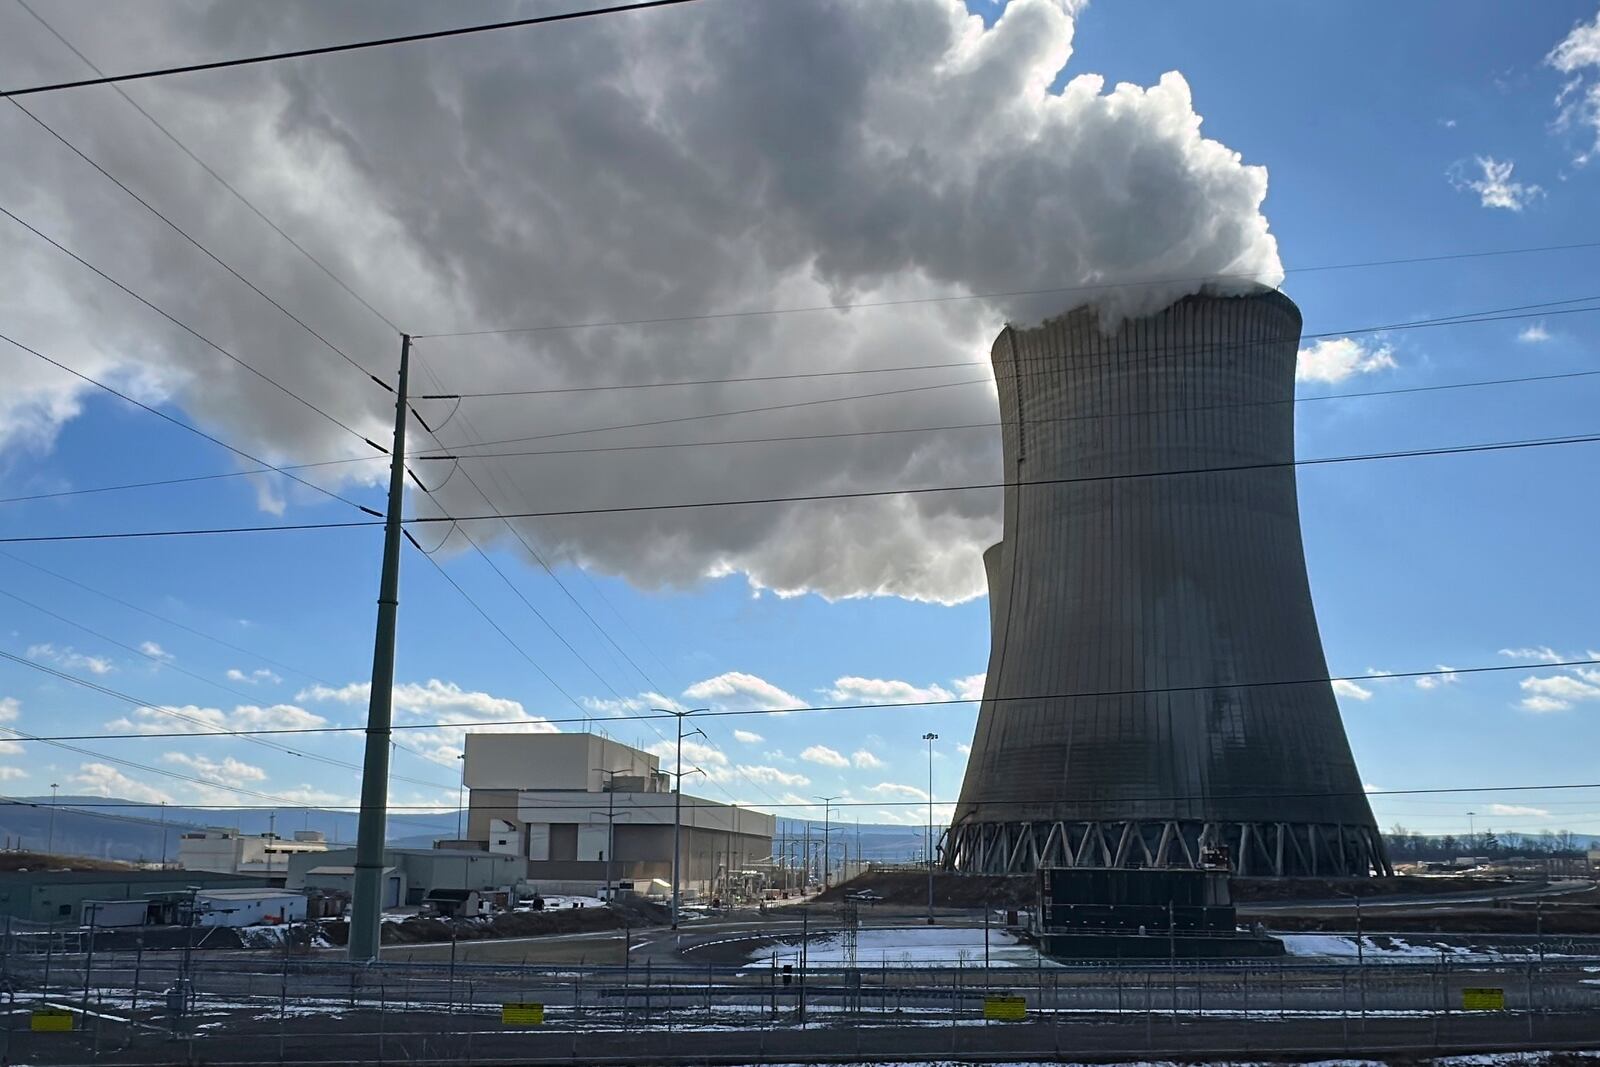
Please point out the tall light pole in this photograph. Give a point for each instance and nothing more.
(50, 837)
(930, 737)
(611, 824)
(461, 794)
(1471, 836)
(827, 803)
(677, 803)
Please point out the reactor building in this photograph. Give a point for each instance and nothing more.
(1157, 694)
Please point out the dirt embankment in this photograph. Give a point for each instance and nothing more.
(949, 890)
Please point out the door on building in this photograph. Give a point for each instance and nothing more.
(391, 892)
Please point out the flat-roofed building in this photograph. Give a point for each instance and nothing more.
(559, 802)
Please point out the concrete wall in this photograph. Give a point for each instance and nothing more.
(1175, 596)
(551, 761)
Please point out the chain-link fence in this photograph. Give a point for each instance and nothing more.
(66, 1006)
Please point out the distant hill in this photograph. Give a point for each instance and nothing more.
(113, 829)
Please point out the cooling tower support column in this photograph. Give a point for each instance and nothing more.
(1157, 693)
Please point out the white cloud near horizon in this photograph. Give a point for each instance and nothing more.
(824, 755)
(1333, 359)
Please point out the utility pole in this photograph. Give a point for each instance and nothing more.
(677, 804)
(50, 835)
(930, 738)
(366, 898)
(827, 803)
(611, 827)
(461, 794)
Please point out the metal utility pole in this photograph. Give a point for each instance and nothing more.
(826, 812)
(677, 805)
(930, 738)
(366, 898)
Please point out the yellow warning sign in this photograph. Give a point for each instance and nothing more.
(1005, 1009)
(1484, 999)
(522, 1014)
(50, 1020)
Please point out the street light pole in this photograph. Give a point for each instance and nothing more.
(50, 838)
(930, 737)
(827, 803)
(1472, 836)
(677, 804)
(611, 825)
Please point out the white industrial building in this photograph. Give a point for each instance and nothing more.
(561, 801)
(248, 907)
(225, 850)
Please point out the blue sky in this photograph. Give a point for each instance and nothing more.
(1385, 134)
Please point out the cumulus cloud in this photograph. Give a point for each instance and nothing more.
(260, 674)
(227, 771)
(738, 691)
(1345, 688)
(824, 755)
(885, 691)
(728, 157)
(1541, 653)
(70, 658)
(747, 737)
(865, 760)
(193, 719)
(462, 711)
(970, 687)
(1558, 692)
(1534, 334)
(155, 651)
(896, 789)
(1494, 184)
(771, 775)
(1435, 681)
(1335, 359)
(1577, 56)
(103, 780)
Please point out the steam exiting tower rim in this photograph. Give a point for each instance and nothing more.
(1157, 693)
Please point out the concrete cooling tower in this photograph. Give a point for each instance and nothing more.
(1156, 688)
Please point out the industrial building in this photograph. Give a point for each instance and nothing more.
(558, 802)
(1156, 688)
(410, 875)
(227, 851)
(59, 896)
(248, 907)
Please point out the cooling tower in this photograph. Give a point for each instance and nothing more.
(1156, 684)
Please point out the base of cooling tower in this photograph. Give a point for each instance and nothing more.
(1257, 849)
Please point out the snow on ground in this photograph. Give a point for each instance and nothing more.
(557, 900)
(911, 946)
(1336, 945)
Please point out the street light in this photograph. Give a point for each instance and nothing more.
(1471, 835)
(930, 737)
(461, 794)
(50, 839)
(827, 803)
(611, 824)
(677, 801)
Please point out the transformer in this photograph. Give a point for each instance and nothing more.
(1157, 694)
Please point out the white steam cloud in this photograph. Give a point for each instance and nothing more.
(665, 164)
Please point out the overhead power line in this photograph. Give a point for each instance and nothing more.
(894, 705)
(349, 46)
(1193, 279)
(203, 165)
(265, 466)
(285, 390)
(623, 509)
(1313, 399)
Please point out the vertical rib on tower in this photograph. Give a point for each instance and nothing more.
(1124, 722)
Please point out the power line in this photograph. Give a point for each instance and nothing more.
(694, 802)
(285, 390)
(181, 232)
(621, 509)
(203, 165)
(350, 46)
(897, 705)
(167, 662)
(215, 730)
(1200, 279)
(265, 466)
(1318, 398)
(1461, 319)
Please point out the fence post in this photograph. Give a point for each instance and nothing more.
(133, 1002)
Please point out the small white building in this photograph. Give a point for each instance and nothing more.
(225, 850)
(248, 907)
